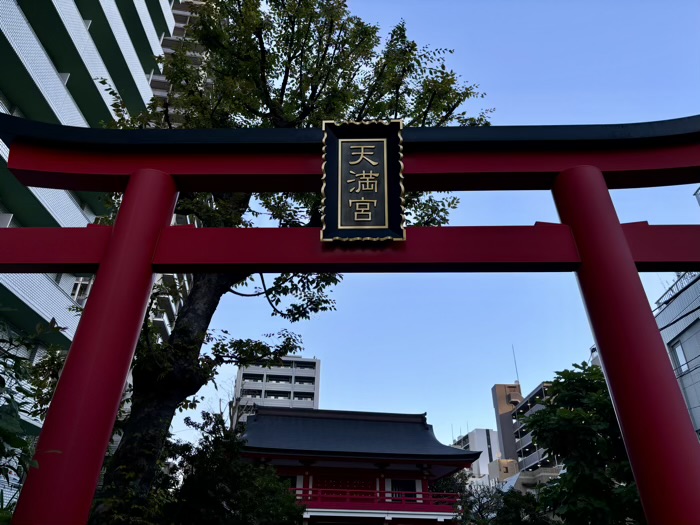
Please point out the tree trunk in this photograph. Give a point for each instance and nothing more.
(164, 377)
(132, 469)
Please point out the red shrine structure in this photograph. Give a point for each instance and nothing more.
(578, 164)
(357, 467)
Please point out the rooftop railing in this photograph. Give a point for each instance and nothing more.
(681, 284)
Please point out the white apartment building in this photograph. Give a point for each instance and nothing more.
(58, 61)
(482, 440)
(54, 58)
(294, 382)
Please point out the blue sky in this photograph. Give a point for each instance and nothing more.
(436, 343)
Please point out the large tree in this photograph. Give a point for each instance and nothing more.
(578, 425)
(219, 487)
(477, 503)
(278, 63)
(489, 504)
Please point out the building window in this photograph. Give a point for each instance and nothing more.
(282, 380)
(255, 394)
(678, 354)
(488, 445)
(278, 395)
(400, 488)
(81, 290)
(301, 396)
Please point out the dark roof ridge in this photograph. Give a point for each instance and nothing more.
(341, 414)
(671, 130)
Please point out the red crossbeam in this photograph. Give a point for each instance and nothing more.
(503, 248)
(664, 248)
(542, 247)
(66, 250)
(515, 169)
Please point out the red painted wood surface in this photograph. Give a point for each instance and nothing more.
(78, 426)
(65, 250)
(543, 247)
(635, 358)
(342, 499)
(517, 169)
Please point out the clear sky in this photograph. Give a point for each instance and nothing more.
(436, 343)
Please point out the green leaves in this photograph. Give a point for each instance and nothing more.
(244, 352)
(10, 422)
(309, 294)
(17, 395)
(578, 425)
(521, 509)
(423, 209)
(218, 487)
(481, 504)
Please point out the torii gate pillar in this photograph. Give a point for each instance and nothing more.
(79, 424)
(631, 349)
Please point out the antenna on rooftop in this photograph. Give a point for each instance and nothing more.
(515, 361)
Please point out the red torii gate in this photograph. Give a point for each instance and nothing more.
(578, 163)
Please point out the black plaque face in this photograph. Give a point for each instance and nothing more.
(363, 182)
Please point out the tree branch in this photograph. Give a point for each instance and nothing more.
(288, 62)
(370, 92)
(267, 296)
(428, 107)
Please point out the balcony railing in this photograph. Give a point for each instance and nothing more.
(536, 457)
(539, 476)
(681, 284)
(523, 441)
(377, 500)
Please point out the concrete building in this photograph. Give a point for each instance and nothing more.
(528, 480)
(523, 465)
(482, 440)
(505, 399)
(678, 318)
(516, 442)
(293, 383)
(502, 469)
